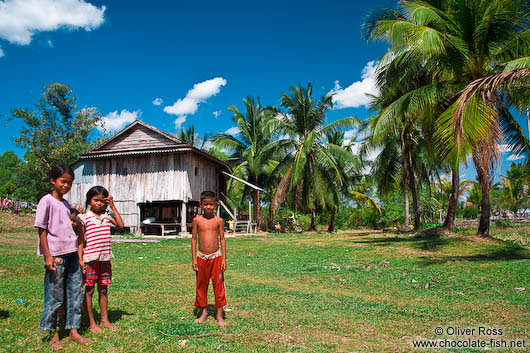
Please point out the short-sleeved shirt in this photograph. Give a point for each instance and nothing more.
(54, 217)
(97, 237)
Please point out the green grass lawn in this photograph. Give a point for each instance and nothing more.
(361, 292)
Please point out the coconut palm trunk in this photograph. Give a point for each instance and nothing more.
(406, 197)
(415, 205)
(256, 200)
(313, 225)
(449, 222)
(481, 160)
(331, 226)
(406, 180)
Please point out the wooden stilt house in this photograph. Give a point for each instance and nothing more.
(152, 176)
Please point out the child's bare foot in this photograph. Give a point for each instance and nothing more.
(203, 316)
(108, 325)
(74, 336)
(96, 329)
(220, 321)
(55, 343)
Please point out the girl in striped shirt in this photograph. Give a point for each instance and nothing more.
(98, 251)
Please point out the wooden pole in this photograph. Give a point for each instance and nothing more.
(183, 224)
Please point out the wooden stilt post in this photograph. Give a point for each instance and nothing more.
(183, 224)
(249, 216)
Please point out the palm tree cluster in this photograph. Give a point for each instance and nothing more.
(455, 73)
(289, 151)
(451, 85)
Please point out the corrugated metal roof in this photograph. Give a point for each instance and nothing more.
(111, 153)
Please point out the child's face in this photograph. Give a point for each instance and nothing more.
(62, 184)
(98, 203)
(73, 220)
(208, 205)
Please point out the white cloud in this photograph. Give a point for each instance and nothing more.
(350, 133)
(372, 155)
(208, 145)
(507, 148)
(503, 148)
(21, 19)
(157, 101)
(1, 52)
(355, 134)
(233, 131)
(355, 95)
(198, 94)
(515, 157)
(179, 121)
(204, 90)
(182, 106)
(217, 113)
(114, 121)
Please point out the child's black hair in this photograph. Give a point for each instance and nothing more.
(60, 169)
(74, 210)
(93, 191)
(208, 195)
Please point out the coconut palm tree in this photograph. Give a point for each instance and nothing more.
(467, 46)
(514, 188)
(307, 162)
(252, 150)
(190, 137)
(352, 177)
(402, 130)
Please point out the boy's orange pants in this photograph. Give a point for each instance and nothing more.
(210, 269)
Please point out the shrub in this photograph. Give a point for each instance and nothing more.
(364, 217)
(503, 223)
(470, 212)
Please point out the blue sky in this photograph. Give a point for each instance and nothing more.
(194, 58)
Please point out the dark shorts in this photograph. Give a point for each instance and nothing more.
(98, 272)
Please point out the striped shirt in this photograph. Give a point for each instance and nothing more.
(97, 235)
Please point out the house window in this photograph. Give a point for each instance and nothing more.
(195, 171)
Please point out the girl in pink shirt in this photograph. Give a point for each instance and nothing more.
(98, 251)
(58, 244)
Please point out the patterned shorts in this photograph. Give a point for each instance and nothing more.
(98, 272)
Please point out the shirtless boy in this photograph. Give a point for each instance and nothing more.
(209, 262)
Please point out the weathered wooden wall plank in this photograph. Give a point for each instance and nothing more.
(138, 138)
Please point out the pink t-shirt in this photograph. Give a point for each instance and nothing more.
(54, 216)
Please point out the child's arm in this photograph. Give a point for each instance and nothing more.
(223, 244)
(48, 258)
(194, 264)
(80, 231)
(117, 221)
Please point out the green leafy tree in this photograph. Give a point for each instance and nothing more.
(13, 179)
(9, 165)
(308, 161)
(55, 131)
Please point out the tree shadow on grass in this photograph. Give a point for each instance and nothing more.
(116, 315)
(4, 314)
(428, 242)
(508, 253)
(363, 234)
